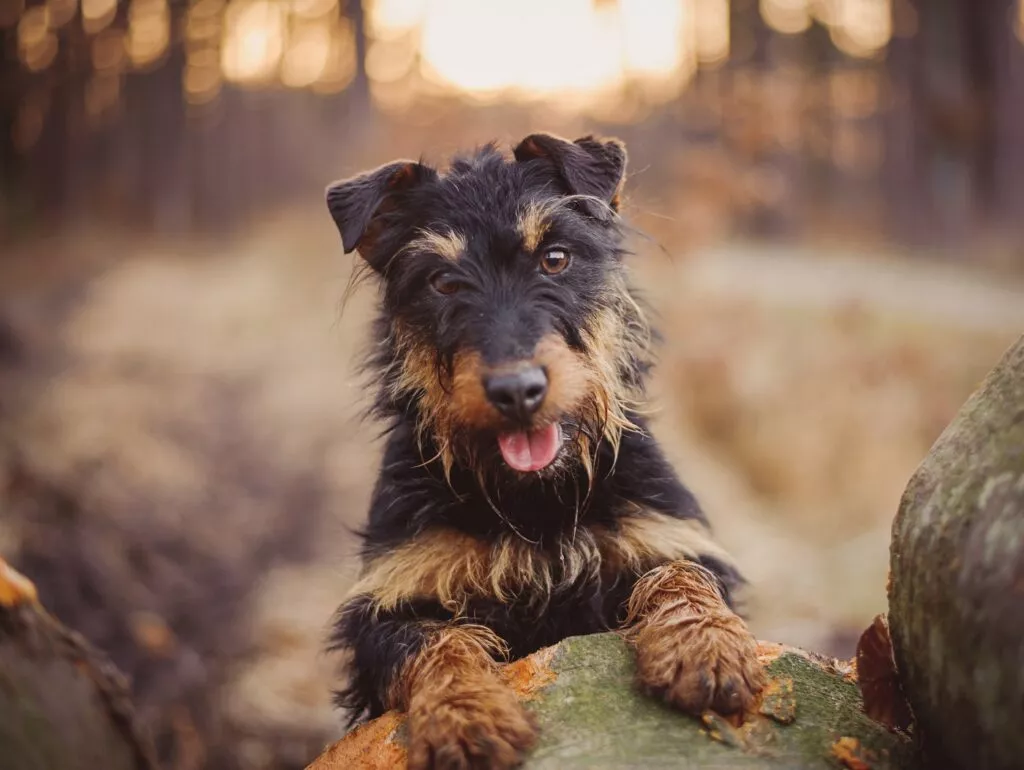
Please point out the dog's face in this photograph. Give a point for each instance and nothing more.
(510, 329)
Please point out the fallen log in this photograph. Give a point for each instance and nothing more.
(63, 705)
(592, 716)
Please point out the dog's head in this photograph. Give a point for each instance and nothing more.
(509, 329)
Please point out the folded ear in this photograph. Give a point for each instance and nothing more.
(357, 202)
(589, 166)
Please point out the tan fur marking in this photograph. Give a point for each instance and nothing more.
(454, 568)
(450, 245)
(691, 648)
(649, 538)
(460, 713)
(467, 401)
(570, 380)
(616, 333)
(533, 224)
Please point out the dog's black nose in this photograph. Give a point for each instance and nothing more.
(517, 395)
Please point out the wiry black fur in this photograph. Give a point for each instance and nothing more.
(505, 306)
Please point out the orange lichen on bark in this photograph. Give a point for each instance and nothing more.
(15, 588)
(778, 701)
(527, 676)
(371, 746)
(769, 652)
(849, 752)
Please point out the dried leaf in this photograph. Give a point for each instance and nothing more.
(878, 679)
(849, 752)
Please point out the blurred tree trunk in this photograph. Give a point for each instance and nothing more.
(905, 173)
(154, 109)
(1008, 120)
(11, 94)
(359, 91)
(981, 30)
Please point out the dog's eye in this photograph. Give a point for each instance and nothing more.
(554, 261)
(445, 283)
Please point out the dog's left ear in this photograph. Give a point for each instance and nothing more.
(589, 166)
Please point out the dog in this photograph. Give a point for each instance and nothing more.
(522, 498)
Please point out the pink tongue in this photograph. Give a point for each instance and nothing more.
(530, 451)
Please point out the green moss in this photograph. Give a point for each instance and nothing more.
(592, 716)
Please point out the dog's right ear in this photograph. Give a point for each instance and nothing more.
(358, 203)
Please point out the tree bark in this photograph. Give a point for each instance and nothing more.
(592, 716)
(63, 706)
(956, 596)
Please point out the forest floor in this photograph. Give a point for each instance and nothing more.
(206, 390)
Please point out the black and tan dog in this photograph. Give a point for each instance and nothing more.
(521, 499)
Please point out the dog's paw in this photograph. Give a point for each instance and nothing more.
(701, 663)
(470, 726)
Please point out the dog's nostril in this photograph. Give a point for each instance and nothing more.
(535, 391)
(517, 394)
(504, 397)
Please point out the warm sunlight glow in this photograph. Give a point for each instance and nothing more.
(824, 10)
(790, 17)
(37, 44)
(861, 27)
(491, 48)
(313, 9)
(650, 32)
(386, 19)
(1020, 20)
(202, 79)
(340, 67)
(254, 35)
(97, 14)
(857, 27)
(149, 31)
(309, 48)
(712, 30)
(576, 51)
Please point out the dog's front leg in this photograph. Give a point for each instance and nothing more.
(443, 673)
(460, 714)
(691, 648)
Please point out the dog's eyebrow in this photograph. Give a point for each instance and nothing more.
(533, 223)
(450, 245)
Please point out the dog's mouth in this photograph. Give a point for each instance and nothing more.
(531, 451)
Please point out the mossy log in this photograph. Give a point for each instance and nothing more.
(63, 705)
(592, 716)
(956, 591)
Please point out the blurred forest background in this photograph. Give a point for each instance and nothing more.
(832, 193)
